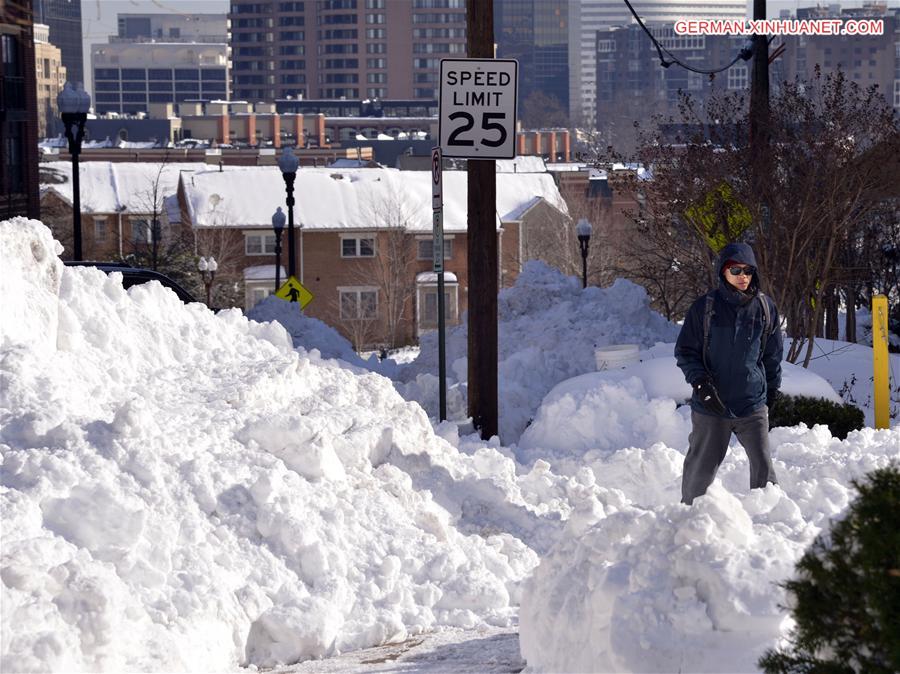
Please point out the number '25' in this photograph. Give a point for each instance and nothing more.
(487, 124)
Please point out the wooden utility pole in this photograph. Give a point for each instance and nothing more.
(759, 89)
(482, 249)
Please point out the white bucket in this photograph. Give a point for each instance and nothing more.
(615, 356)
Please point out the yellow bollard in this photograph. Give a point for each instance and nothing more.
(880, 360)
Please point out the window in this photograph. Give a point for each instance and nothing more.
(160, 73)
(376, 48)
(259, 244)
(257, 295)
(140, 230)
(357, 303)
(134, 74)
(290, 7)
(374, 4)
(430, 310)
(106, 74)
(338, 48)
(100, 228)
(376, 78)
(374, 18)
(290, 21)
(362, 245)
(376, 63)
(737, 77)
(333, 19)
(339, 34)
(292, 35)
(376, 33)
(426, 249)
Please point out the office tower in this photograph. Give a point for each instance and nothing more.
(343, 48)
(535, 33)
(64, 19)
(161, 58)
(51, 77)
(18, 112)
(586, 17)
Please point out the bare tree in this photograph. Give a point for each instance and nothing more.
(392, 269)
(830, 165)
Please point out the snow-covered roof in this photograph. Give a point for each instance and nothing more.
(172, 209)
(108, 187)
(351, 198)
(522, 164)
(263, 272)
(432, 277)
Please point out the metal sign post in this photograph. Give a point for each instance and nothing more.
(437, 205)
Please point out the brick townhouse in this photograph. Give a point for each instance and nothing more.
(363, 239)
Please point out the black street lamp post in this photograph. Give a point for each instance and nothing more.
(208, 267)
(288, 164)
(278, 225)
(583, 230)
(74, 103)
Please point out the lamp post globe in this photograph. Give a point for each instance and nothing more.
(288, 163)
(74, 103)
(278, 219)
(583, 230)
(208, 267)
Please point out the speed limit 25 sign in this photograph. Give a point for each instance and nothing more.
(478, 108)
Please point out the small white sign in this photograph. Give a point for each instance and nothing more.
(478, 108)
(437, 179)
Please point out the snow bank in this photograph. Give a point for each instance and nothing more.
(185, 491)
(29, 284)
(549, 327)
(305, 331)
(634, 406)
(642, 584)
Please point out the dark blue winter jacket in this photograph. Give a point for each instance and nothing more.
(740, 372)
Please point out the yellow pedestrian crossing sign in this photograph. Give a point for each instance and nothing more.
(293, 291)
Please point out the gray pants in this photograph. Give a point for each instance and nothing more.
(708, 443)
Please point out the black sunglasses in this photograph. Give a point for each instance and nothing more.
(737, 271)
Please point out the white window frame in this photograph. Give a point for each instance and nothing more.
(266, 243)
(357, 291)
(357, 247)
(738, 77)
(101, 228)
(421, 240)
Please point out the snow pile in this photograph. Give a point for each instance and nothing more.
(29, 284)
(185, 491)
(639, 583)
(305, 331)
(635, 406)
(549, 328)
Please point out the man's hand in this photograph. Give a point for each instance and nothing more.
(708, 396)
(772, 396)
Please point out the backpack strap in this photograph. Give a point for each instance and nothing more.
(767, 327)
(707, 322)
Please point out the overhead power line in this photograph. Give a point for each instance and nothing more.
(746, 53)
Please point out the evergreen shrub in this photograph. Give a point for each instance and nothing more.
(846, 596)
(840, 418)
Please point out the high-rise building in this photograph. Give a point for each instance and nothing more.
(536, 33)
(161, 58)
(64, 19)
(51, 77)
(18, 112)
(343, 48)
(586, 17)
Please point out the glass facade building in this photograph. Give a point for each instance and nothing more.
(64, 19)
(535, 33)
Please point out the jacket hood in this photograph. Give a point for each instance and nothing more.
(739, 252)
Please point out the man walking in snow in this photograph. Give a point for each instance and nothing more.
(730, 349)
